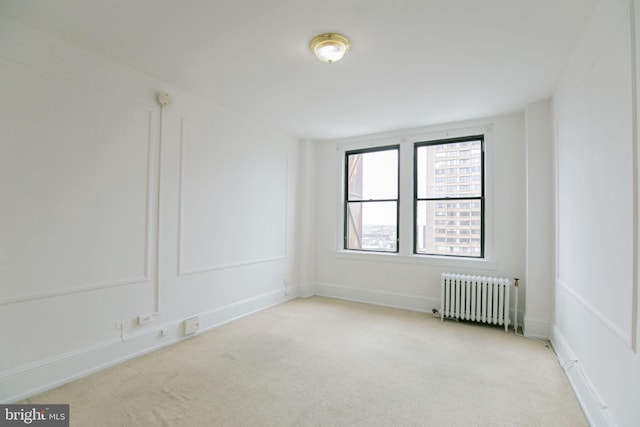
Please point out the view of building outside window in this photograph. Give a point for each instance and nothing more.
(372, 200)
(449, 198)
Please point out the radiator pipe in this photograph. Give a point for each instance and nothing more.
(515, 312)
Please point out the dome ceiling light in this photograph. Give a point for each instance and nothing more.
(330, 47)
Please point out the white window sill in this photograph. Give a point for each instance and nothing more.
(424, 260)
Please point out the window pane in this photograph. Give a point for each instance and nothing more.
(459, 234)
(373, 175)
(437, 160)
(372, 226)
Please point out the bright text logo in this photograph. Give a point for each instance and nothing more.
(34, 415)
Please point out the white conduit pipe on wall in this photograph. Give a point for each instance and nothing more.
(164, 99)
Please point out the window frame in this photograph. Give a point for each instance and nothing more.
(481, 198)
(406, 138)
(347, 201)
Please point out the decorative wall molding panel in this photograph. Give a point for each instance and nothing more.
(597, 314)
(245, 205)
(84, 215)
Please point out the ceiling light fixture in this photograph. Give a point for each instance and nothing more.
(330, 47)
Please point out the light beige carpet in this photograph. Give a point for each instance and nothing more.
(324, 362)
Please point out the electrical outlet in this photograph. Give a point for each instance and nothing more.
(143, 319)
(191, 325)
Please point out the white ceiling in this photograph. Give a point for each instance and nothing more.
(412, 63)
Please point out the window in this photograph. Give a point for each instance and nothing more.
(371, 199)
(450, 219)
(428, 198)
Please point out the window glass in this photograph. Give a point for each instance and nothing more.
(461, 204)
(371, 200)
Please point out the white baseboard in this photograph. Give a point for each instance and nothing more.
(537, 329)
(19, 383)
(306, 290)
(383, 298)
(594, 408)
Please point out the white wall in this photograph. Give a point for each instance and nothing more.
(596, 321)
(106, 217)
(113, 209)
(540, 228)
(305, 238)
(408, 281)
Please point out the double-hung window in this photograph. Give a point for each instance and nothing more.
(449, 197)
(371, 199)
